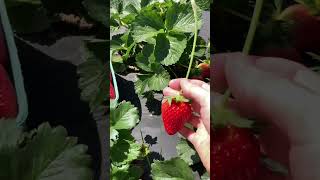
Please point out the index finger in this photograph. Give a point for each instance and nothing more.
(175, 83)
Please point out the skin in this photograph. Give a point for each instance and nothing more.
(283, 94)
(279, 92)
(198, 92)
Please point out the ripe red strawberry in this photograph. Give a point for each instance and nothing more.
(202, 71)
(235, 154)
(306, 27)
(176, 111)
(112, 92)
(8, 99)
(205, 70)
(3, 49)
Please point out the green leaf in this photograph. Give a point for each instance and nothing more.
(10, 133)
(146, 25)
(114, 135)
(125, 150)
(169, 48)
(125, 172)
(115, 6)
(141, 84)
(186, 152)
(205, 176)
(28, 17)
(200, 50)
(125, 116)
(98, 10)
(175, 169)
(203, 4)
(159, 81)
(145, 58)
(47, 154)
(180, 18)
(152, 82)
(93, 74)
(135, 3)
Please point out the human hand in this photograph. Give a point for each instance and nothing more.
(199, 93)
(282, 93)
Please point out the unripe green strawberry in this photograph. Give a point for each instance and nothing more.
(176, 111)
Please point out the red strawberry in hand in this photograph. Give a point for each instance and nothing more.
(235, 154)
(176, 111)
(8, 99)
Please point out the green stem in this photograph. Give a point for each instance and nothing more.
(252, 30)
(253, 26)
(143, 144)
(193, 3)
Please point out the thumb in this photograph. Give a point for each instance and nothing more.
(265, 96)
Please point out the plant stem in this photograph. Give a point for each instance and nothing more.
(253, 26)
(143, 144)
(252, 30)
(194, 8)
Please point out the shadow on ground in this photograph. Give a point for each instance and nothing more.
(127, 93)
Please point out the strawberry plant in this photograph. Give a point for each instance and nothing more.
(43, 153)
(155, 39)
(159, 41)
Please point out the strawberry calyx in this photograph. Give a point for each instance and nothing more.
(224, 116)
(177, 98)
